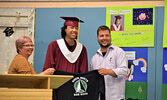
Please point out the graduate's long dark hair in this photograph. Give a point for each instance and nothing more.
(63, 32)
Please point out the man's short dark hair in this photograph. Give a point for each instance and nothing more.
(103, 28)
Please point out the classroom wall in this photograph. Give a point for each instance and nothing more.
(48, 26)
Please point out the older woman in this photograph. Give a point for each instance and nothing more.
(20, 64)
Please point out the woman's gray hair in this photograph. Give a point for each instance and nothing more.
(20, 42)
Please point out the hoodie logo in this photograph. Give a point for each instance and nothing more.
(80, 86)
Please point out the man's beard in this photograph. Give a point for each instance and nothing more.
(106, 46)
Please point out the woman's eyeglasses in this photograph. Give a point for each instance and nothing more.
(29, 45)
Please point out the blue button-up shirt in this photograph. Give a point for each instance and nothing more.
(115, 59)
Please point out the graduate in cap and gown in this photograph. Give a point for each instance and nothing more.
(67, 54)
(117, 25)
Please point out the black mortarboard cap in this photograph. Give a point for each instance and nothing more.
(8, 31)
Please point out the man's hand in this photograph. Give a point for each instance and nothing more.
(104, 71)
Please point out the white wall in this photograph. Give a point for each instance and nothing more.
(22, 20)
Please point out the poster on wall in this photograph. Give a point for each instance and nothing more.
(165, 27)
(137, 64)
(131, 26)
(164, 85)
(164, 66)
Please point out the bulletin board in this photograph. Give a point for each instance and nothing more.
(136, 81)
(165, 26)
(164, 90)
(164, 66)
(137, 24)
(138, 56)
